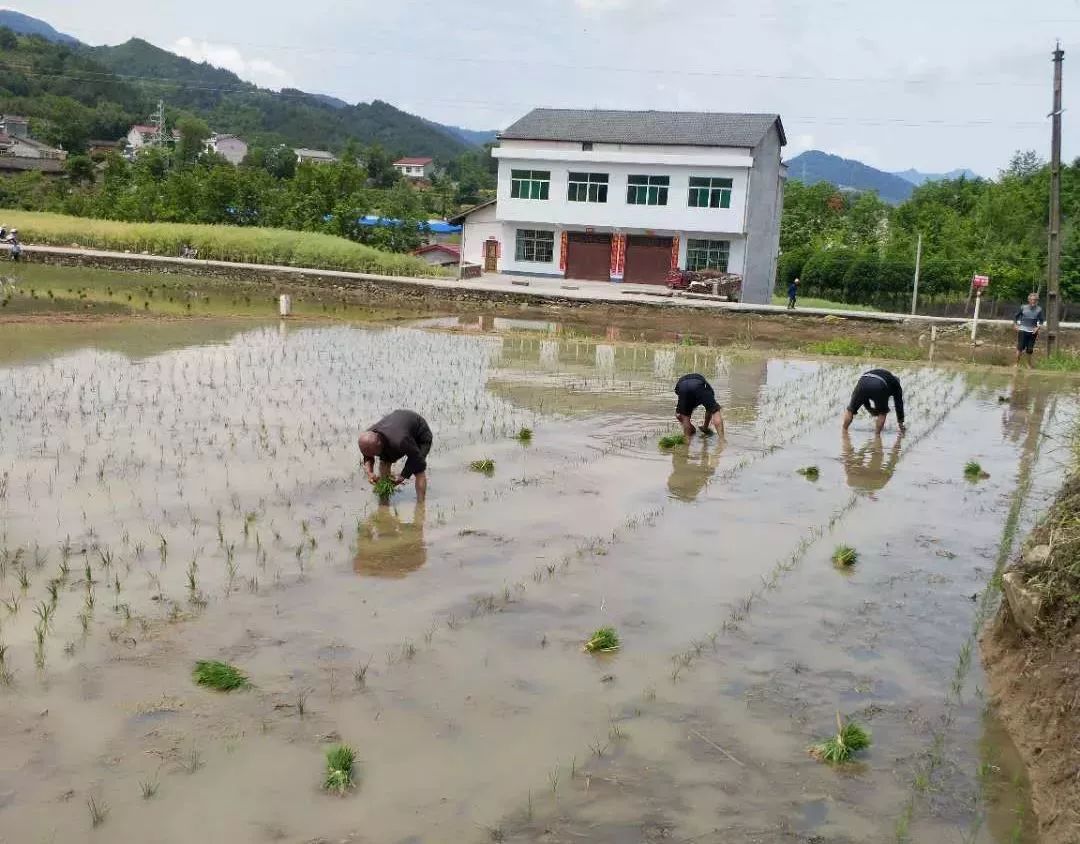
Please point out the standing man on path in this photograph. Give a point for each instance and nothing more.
(403, 433)
(694, 391)
(1028, 320)
(792, 293)
(873, 392)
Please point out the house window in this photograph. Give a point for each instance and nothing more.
(710, 193)
(707, 254)
(588, 187)
(586, 146)
(535, 245)
(647, 190)
(530, 184)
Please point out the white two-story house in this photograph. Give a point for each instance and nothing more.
(631, 195)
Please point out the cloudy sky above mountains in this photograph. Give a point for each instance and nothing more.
(924, 83)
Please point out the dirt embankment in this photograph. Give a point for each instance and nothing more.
(1032, 656)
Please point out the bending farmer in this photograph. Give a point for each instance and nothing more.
(873, 392)
(693, 392)
(1028, 321)
(403, 433)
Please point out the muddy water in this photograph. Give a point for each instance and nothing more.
(200, 499)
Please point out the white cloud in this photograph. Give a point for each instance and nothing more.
(259, 71)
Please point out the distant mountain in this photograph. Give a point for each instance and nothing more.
(815, 166)
(25, 25)
(473, 137)
(229, 104)
(916, 178)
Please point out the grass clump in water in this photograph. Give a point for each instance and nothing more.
(219, 675)
(672, 440)
(845, 556)
(974, 472)
(811, 473)
(484, 467)
(384, 488)
(850, 738)
(1059, 362)
(340, 760)
(603, 640)
(524, 435)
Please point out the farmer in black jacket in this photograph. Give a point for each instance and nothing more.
(694, 392)
(403, 433)
(873, 392)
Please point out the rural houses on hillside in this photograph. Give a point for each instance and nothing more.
(415, 168)
(19, 151)
(314, 156)
(632, 195)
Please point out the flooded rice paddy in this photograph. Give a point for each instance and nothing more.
(190, 490)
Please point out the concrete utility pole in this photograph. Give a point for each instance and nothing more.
(918, 262)
(1053, 287)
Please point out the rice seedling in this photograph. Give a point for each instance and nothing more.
(850, 738)
(524, 435)
(672, 441)
(193, 760)
(974, 472)
(340, 761)
(219, 676)
(360, 674)
(149, 789)
(484, 467)
(98, 811)
(384, 488)
(811, 473)
(844, 556)
(301, 702)
(604, 640)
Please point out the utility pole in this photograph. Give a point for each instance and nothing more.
(1053, 287)
(918, 262)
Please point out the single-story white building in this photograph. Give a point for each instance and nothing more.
(415, 168)
(632, 195)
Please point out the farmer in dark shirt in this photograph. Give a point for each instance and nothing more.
(403, 433)
(693, 392)
(873, 392)
(1028, 321)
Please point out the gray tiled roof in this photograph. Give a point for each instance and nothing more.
(680, 128)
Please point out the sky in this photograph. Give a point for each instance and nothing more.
(930, 84)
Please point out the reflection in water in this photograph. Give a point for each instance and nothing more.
(389, 547)
(690, 474)
(867, 468)
(1017, 413)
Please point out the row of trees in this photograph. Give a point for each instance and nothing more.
(855, 248)
(184, 184)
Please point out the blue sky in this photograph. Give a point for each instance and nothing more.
(933, 85)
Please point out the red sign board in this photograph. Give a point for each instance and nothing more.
(980, 282)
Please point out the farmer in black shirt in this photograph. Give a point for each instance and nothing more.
(1028, 320)
(403, 433)
(694, 391)
(873, 392)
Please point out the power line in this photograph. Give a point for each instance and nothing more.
(502, 105)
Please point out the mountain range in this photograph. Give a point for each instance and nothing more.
(816, 166)
(144, 72)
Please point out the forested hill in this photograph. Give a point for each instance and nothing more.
(230, 104)
(816, 166)
(73, 94)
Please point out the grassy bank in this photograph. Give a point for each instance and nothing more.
(221, 243)
(851, 348)
(1034, 676)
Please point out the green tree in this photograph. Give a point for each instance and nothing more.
(193, 134)
(79, 169)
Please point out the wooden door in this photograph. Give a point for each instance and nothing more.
(648, 259)
(491, 256)
(588, 256)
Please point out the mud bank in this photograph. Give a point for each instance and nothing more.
(1032, 655)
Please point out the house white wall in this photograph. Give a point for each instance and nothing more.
(763, 220)
(479, 226)
(415, 171)
(676, 216)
